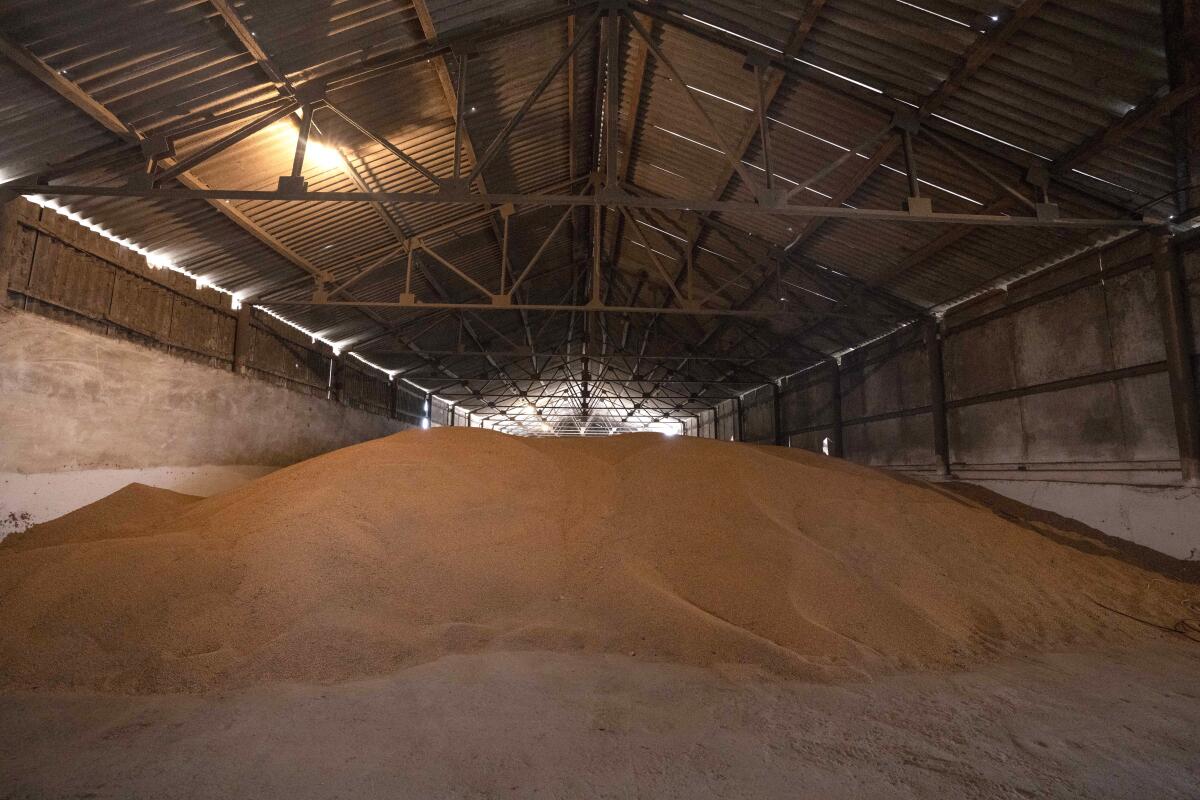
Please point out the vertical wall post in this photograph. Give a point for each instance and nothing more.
(937, 398)
(9, 230)
(243, 335)
(777, 402)
(738, 434)
(336, 378)
(1178, 341)
(835, 400)
(393, 390)
(910, 165)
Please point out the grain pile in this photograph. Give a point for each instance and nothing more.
(399, 550)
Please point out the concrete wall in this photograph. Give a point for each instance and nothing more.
(112, 372)
(1057, 395)
(1065, 368)
(83, 414)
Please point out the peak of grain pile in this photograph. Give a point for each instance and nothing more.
(394, 552)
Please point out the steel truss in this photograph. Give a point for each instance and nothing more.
(605, 192)
(605, 189)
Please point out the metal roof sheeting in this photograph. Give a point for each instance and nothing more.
(1063, 77)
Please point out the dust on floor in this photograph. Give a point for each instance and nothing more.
(556, 725)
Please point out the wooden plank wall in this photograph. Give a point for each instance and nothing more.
(60, 269)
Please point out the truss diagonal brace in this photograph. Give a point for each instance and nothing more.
(502, 137)
(716, 131)
(383, 142)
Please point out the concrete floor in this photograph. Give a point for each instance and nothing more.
(572, 726)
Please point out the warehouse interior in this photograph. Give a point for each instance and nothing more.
(473, 398)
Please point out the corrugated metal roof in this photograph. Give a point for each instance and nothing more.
(1061, 79)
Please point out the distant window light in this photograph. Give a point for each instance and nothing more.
(1102, 180)
(993, 138)
(933, 185)
(715, 96)
(808, 134)
(696, 142)
(866, 86)
(731, 33)
(936, 14)
(660, 230)
(669, 172)
(825, 445)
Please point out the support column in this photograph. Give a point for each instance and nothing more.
(776, 396)
(9, 229)
(740, 435)
(393, 390)
(937, 398)
(835, 399)
(1178, 342)
(336, 381)
(243, 335)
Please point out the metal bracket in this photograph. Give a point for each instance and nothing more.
(293, 184)
(320, 293)
(507, 210)
(1038, 176)
(906, 121)
(771, 198)
(919, 206)
(407, 299)
(157, 148)
(1047, 211)
(501, 300)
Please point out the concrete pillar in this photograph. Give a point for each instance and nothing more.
(937, 398)
(835, 399)
(1178, 342)
(243, 335)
